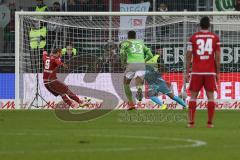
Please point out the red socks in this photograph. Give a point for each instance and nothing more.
(67, 100)
(75, 98)
(191, 112)
(211, 110)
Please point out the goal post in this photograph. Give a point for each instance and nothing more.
(95, 69)
(17, 54)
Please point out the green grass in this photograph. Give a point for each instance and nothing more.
(33, 135)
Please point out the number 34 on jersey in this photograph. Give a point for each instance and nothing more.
(203, 45)
(205, 48)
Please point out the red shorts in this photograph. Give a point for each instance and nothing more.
(56, 87)
(198, 81)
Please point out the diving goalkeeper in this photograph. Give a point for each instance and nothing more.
(153, 77)
(133, 54)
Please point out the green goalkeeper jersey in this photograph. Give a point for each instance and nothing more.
(134, 51)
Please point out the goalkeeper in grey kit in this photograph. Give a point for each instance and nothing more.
(153, 77)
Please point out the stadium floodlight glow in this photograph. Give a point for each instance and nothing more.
(96, 34)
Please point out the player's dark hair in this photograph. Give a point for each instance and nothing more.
(131, 34)
(205, 22)
(55, 51)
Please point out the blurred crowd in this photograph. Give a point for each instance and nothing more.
(7, 31)
(104, 5)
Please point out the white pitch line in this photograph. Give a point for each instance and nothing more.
(194, 143)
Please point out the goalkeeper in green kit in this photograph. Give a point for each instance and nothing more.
(133, 55)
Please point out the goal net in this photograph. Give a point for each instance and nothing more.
(90, 43)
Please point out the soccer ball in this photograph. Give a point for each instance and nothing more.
(86, 102)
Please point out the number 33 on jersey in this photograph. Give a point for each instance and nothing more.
(203, 46)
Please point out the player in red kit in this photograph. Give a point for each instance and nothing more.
(51, 64)
(203, 53)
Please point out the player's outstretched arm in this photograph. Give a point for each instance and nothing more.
(217, 64)
(59, 62)
(44, 55)
(123, 55)
(148, 53)
(65, 65)
(217, 57)
(188, 64)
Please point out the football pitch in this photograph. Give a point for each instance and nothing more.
(141, 135)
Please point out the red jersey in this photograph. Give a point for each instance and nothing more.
(203, 45)
(51, 64)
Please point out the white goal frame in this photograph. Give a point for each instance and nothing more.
(23, 13)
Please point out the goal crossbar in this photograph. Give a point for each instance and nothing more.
(214, 13)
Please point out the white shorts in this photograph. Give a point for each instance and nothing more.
(134, 70)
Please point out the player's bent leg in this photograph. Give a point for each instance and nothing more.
(73, 96)
(127, 89)
(58, 88)
(128, 92)
(160, 86)
(152, 93)
(164, 88)
(158, 101)
(67, 100)
(177, 99)
(139, 84)
(49, 88)
(82, 103)
(139, 79)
